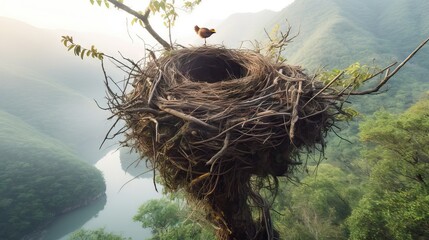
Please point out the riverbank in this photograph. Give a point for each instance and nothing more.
(41, 231)
(123, 198)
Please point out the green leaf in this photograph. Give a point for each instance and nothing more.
(106, 3)
(82, 53)
(70, 47)
(92, 2)
(133, 21)
(77, 50)
(99, 2)
(162, 5)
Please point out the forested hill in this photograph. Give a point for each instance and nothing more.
(338, 33)
(335, 33)
(50, 128)
(40, 178)
(46, 87)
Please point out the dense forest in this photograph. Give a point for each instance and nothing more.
(50, 131)
(40, 178)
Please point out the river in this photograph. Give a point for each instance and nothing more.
(113, 212)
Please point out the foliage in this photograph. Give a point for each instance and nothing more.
(167, 9)
(79, 50)
(396, 204)
(349, 78)
(158, 215)
(98, 234)
(316, 207)
(39, 178)
(169, 220)
(354, 75)
(106, 3)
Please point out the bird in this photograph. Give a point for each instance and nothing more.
(204, 32)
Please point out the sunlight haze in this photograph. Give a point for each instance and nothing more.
(81, 16)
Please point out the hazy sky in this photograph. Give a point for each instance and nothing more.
(80, 15)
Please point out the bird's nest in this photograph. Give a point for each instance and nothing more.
(222, 124)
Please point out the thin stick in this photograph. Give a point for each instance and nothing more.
(221, 151)
(324, 88)
(388, 76)
(145, 19)
(189, 118)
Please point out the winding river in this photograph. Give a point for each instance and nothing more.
(113, 212)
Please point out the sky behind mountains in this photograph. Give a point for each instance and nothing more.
(80, 15)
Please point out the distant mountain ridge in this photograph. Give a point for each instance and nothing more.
(336, 32)
(40, 178)
(50, 129)
(50, 89)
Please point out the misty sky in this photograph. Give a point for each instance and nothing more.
(80, 15)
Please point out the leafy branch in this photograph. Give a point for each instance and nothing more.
(106, 3)
(351, 77)
(277, 42)
(349, 80)
(167, 9)
(79, 50)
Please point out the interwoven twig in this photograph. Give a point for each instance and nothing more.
(211, 120)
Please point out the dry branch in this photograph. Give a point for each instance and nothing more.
(145, 19)
(388, 73)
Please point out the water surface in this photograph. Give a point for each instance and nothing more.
(115, 212)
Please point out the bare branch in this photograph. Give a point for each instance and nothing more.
(390, 75)
(145, 19)
(325, 87)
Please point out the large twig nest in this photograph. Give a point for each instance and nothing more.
(211, 120)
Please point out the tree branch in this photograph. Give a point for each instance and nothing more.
(389, 75)
(145, 19)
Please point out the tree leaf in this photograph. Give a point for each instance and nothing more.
(133, 21)
(82, 54)
(70, 47)
(77, 50)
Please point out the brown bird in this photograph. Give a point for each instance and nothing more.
(204, 32)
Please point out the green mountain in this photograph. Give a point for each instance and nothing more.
(55, 110)
(241, 28)
(50, 129)
(40, 178)
(48, 88)
(338, 33)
